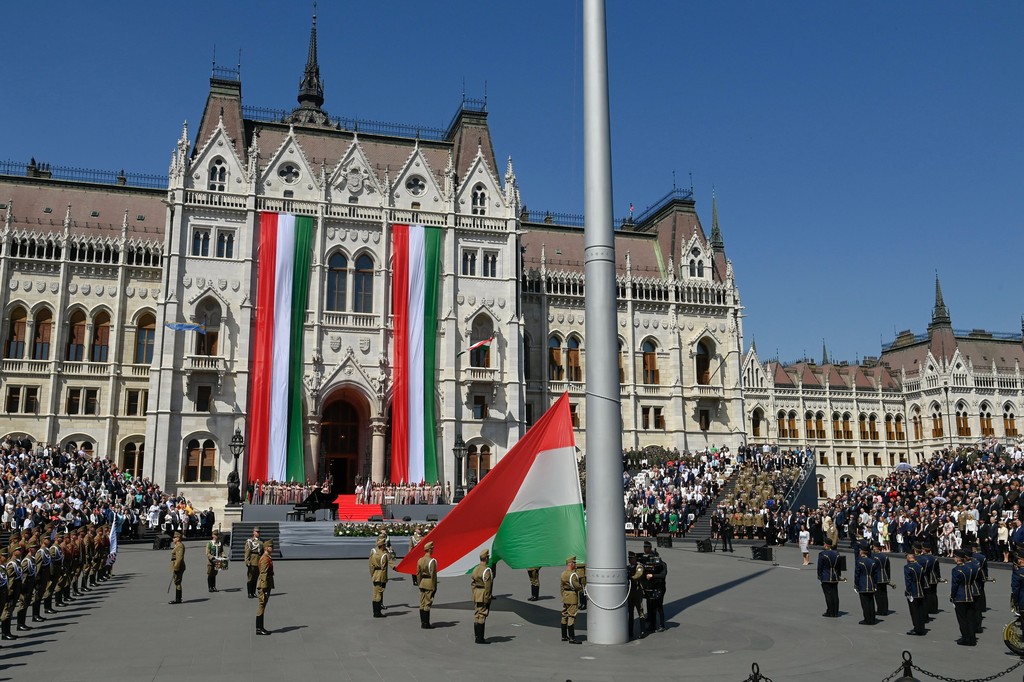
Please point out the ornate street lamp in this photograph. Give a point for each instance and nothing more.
(460, 454)
(237, 447)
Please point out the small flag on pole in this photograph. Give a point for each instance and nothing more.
(186, 327)
(479, 344)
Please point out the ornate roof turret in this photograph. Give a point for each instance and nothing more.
(940, 314)
(717, 243)
(824, 353)
(311, 87)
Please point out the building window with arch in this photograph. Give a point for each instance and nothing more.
(985, 416)
(100, 349)
(479, 200)
(650, 363)
(201, 241)
(822, 491)
(469, 262)
(963, 421)
(75, 351)
(819, 424)
(478, 462)
(847, 427)
(207, 340)
(703, 363)
(837, 427)
(809, 424)
(793, 432)
(898, 424)
(622, 366)
(573, 364)
(337, 279)
(362, 286)
(862, 422)
(556, 372)
(132, 459)
(918, 424)
(936, 421)
(1009, 421)
(845, 485)
(200, 462)
(483, 329)
(873, 427)
(14, 349)
(527, 351)
(700, 269)
(43, 332)
(693, 268)
(225, 244)
(783, 431)
(755, 422)
(145, 334)
(218, 175)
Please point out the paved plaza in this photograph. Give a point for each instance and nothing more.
(725, 611)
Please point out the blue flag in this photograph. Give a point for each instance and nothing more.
(186, 327)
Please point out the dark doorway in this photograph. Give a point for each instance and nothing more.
(340, 431)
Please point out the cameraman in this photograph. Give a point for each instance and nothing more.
(653, 582)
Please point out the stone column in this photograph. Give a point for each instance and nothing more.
(377, 428)
(315, 455)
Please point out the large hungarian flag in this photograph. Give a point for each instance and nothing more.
(282, 291)
(416, 266)
(528, 510)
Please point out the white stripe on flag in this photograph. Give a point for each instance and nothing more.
(549, 482)
(283, 272)
(417, 279)
(466, 562)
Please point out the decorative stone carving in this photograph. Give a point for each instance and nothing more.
(86, 288)
(461, 299)
(376, 237)
(13, 285)
(72, 288)
(222, 284)
(336, 343)
(471, 299)
(647, 323)
(100, 289)
(200, 282)
(551, 317)
(655, 323)
(366, 237)
(348, 369)
(143, 292)
(622, 322)
(342, 235)
(235, 284)
(489, 302)
(571, 318)
(353, 235)
(364, 346)
(560, 317)
(186, 281)
(331, 232)
(40, 286)
(156, 293)
(54, 287)
(501, 303)
(129, 292)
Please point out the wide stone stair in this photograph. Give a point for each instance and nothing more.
(240, 532)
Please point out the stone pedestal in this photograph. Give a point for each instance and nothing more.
(230, 517)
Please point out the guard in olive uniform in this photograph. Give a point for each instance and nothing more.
(253, 552)
(5, 594)
(571, 588)
(379, 559)
(914, 582)
(534, 574)
(28, 585)
(212, 561)
(581, 573)
(177, 567)
(636, 594)
(264, 584)
(961, 593)
(426, 572)
(13, 570)
(865, 581)
(829, 576)
(482, 581)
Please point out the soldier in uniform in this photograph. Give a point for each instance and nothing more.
(884, 573)
(12, 569)
(426, 571)
(1017, 586)
(933, 576)
(60, 582)
(829, 576)
(482, 582)
(581, 573)
(980, 562)
(28, 584)
(961, 581)
(177, 567)
(264, 584)
(865, 580)
(47, 575)
(654, 584)
(636, 593)
(379, 559)
(253, 552)
(914, 585)
(571, 588)
(534, 574)
(212, 564)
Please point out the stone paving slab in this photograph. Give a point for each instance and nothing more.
(725, 611)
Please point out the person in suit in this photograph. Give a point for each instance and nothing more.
(914, 590)
(884, 579)
(264, 584)
(727, 533)
(534, 574)
(482, 584)
(570, 600)
(961, 593)
(865, 581)
(426, 572)
(212, 563)
(1017, 587)
(379, 559)
(177, 567)
(253, 552)
(829, 576)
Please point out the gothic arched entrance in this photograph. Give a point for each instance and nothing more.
(344, 439)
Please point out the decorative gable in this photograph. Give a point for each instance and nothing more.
(353, 180)
(289, 171)
(217, 168)
(479, 192)
(415, 185)
(695, 259)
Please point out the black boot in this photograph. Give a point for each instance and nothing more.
(425, 620)
(534, 593)
(5, 628)
(572, 635)
(21, 621)
(260, 630)
(58, 598)
(478, 628)
(36, 618)
(378, 609)
(48, 604)
(177, 596)
(209, 584)
(565, 632)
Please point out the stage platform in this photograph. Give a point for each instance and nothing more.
(316, 540)
(280, 513)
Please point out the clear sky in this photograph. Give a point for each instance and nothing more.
(855, 147)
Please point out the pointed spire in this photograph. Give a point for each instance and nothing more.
(940, 314)
(824, 353)
(717, 243)
(753, 344)
(311, 88)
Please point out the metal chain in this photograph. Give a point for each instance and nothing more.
(980, 679)
(756, 676)
(897, 671)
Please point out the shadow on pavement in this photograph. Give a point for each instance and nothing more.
(289, 628)
(676, 607)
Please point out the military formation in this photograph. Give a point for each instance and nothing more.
(921, 578)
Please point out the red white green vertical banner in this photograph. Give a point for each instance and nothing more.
(277, 448)
(416, 266)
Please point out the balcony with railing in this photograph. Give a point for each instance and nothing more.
(477, 222)
(205, 363)
(137, 371)
(198, 197)
(571, 387)
(480, 375)
(85, 369)
(19, 366)
(705, 391)
(342, 320)
(652, 390)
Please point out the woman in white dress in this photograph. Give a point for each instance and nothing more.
(805, 539)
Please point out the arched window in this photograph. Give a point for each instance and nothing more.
(622, 366)
(218, 175)
(337, 279)
(918, 423)
(862, 421)
(478, 462)
(479, 200)
(573, 366)
(755, 422)
(145, 333)
(822, 492)
(898, 424)
(527, 350)
(208, 314)
(847, 428)
(700, 268)
(783, 430)
(845, 484)
(132, 459)
(873, 427)
(936, 421)
(556, 372)
(963, 421)
(362, 287)
(703, 363)
(75, 350)
(693, 268)
(41, 339)
(809, 424)
(793, 433)
(1009, 421)
(650, 363)
(225, 244)
(890, 434)
(15, 346)
(201, 242)
(837, 427)
(100, 349)
(200, 462)
(819, 425)
(483, 330)
(985, 416)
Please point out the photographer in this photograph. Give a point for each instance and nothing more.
(653, 584)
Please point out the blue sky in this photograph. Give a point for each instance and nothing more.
(855, 148)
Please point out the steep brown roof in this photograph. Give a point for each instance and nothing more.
(563, 249)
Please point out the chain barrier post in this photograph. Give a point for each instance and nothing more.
(755, 675)
(908, 666)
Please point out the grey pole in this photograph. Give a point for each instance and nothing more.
(606, 539)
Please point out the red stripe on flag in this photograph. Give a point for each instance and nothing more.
(263, 350)
(400, 393)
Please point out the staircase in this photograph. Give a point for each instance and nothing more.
(350, 512)
(240, 532)
(701, 529)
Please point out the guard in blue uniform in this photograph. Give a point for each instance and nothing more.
(933, 573)
(961, 593)
(865, 581)
(980, 578)
(914, 590)
(1017, 587)
(884, 573)
(829, 576)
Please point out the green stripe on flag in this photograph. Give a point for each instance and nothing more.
(433, 260)
(295, 465)
(541, 537)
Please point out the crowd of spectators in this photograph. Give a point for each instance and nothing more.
(276, 492)
(41, 484)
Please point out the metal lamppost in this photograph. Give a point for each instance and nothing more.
(237, 447)
(459, 450)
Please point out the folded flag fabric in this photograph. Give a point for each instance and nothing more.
(479, 344)
(186, 327)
